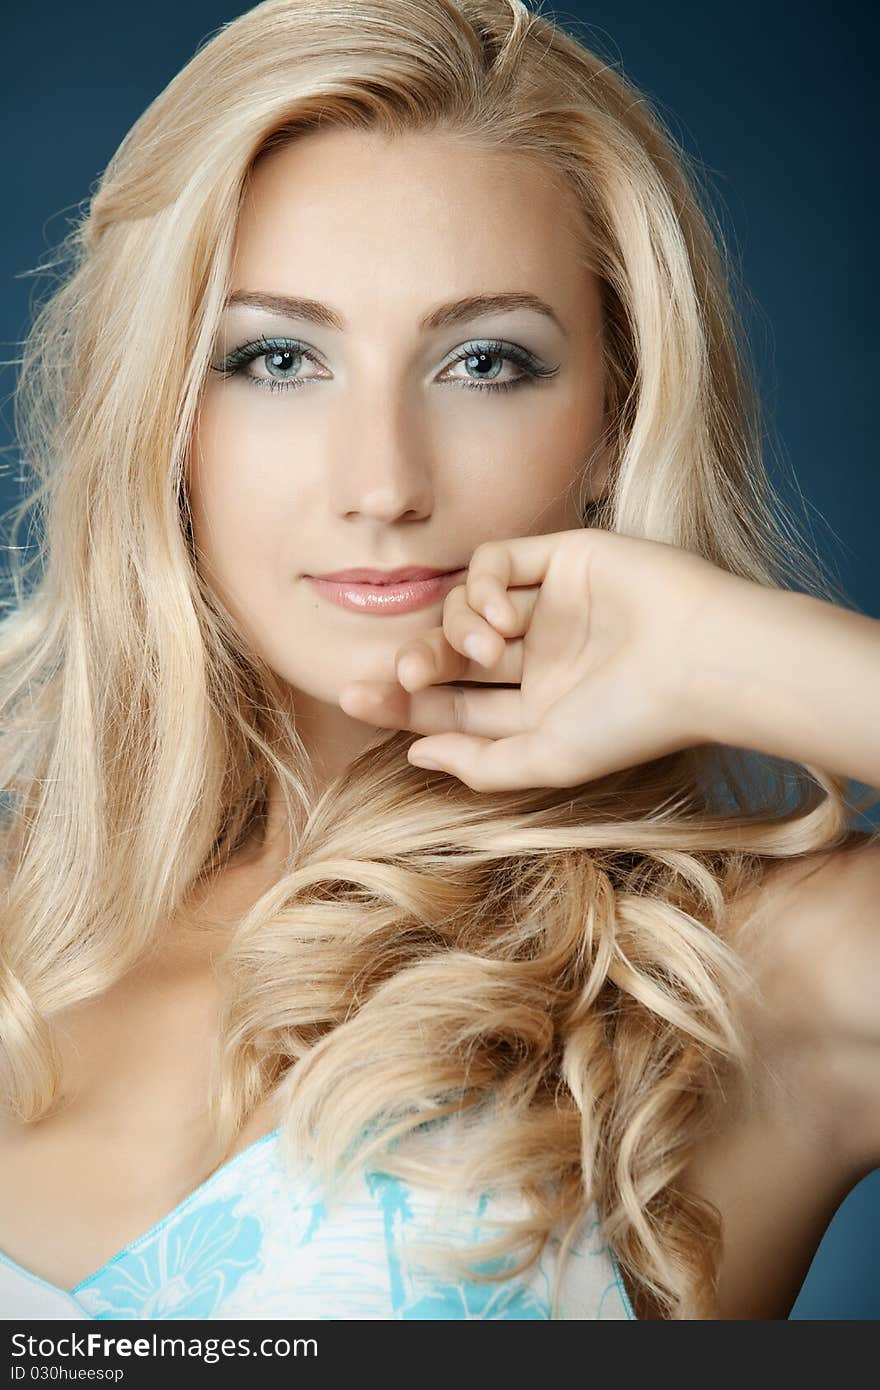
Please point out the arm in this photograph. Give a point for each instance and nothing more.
(792, 676)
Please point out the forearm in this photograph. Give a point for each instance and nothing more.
(787, 674)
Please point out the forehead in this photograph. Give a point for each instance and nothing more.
(362, 216)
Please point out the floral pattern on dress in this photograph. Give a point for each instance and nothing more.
(252, 1243)
(187, 1271)
(478, 1300)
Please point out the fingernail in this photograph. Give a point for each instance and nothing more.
(495, 614)
(419, 761)
(407, 670)
(477, 648)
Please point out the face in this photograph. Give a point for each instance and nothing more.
(376, 426)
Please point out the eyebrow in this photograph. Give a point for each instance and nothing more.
(455, 311)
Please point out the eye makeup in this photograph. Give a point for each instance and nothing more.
(478, 352)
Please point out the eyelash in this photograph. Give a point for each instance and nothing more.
(249, 352)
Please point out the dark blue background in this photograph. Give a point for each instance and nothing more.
(772, 99)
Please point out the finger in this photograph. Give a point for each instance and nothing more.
(437, 710)
(525, 759)
(432, 661)
(496, 567)
(469, 632)
(440, 655)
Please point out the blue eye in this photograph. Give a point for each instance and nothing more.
(283, 354)
(482, 354)
(280, 355)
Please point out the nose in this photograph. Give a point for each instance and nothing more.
(381, 467)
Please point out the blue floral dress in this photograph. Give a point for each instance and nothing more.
(250, 1243)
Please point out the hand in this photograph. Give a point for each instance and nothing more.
(591, 629)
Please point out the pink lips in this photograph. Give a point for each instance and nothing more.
(372, 576)
(418, 588)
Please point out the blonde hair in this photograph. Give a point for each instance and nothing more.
(557, 955)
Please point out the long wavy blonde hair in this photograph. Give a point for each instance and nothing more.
(558, 958)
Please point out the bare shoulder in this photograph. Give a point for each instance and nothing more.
(811, 933)
(777, 1167)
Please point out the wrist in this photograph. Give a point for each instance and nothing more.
(744, 684)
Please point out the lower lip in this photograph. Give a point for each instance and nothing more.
(406, 597)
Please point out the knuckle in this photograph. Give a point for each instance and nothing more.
(577, 548)
(427, 648)
(485, 553)
(454, 602)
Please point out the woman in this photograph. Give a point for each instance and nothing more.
(579, 1021)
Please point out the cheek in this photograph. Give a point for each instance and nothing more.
(570, 440)
(537, 483)
(238, 480)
